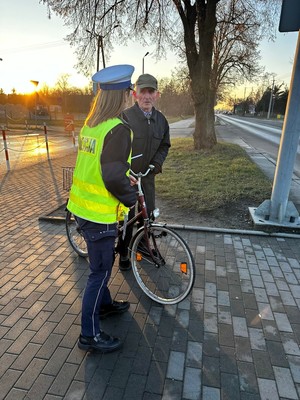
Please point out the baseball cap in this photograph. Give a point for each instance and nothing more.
(146, 81)
(115, 77)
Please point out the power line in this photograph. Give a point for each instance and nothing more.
(37, 46)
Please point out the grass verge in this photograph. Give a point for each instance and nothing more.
(210, 179)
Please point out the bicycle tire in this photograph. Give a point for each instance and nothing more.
(75, 236)
(170, 276)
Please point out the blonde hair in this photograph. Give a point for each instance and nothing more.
(107, 104)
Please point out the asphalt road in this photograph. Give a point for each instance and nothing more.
(30, 146)
(263, 135)
(183, 128)
(26, 147)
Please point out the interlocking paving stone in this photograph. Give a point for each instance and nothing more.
(253, 318)
(240, 326)
(172, 390)
(243, 349)
(192, 384)
(294, 363)
(282, 322)
(276, 353)
(262, 364)
(228, 360)
(257, 339)
(247, 377)
(285, 383)
(290, 344)
(156, 377)
(211, 371)
(265, 311)
(194, 355)
(270, 330)
(210, 393)
(268, 389)
(230, 387)
(176, 365)
(226, 337)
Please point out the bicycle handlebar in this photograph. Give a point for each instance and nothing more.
(140, 174)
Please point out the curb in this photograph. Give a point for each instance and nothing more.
(200, 229)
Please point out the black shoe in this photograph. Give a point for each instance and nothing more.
(102, 342)
(125, 265)
(117, 307)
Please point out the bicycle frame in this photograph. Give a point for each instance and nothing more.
(143, 208)
(142, 213)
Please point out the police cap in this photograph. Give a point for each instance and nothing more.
(115, 77)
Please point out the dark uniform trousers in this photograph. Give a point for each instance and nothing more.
(100, 239)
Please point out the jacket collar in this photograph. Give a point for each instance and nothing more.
(141, 112)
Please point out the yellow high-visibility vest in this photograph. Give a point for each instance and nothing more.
(89, 198)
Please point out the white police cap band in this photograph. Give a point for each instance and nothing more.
(115, 77)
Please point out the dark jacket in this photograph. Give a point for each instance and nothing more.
(114, 165)
(151, 138)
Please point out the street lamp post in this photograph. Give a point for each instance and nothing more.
(143, 66)
(35, 83)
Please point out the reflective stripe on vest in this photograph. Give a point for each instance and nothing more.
(89, 198)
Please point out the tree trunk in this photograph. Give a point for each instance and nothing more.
(200, 69)
(204, 135)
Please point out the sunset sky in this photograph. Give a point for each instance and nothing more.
(33, 48)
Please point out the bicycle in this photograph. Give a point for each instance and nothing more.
(162, 262)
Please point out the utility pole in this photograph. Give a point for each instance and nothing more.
(271, 99)
(100, 45)
(244, 105)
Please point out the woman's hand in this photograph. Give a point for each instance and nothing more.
(133, 180)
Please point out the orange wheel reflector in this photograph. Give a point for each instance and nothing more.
(138, 257)
(183, 267)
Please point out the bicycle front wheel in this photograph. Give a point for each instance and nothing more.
(75, 236)
(167, 276)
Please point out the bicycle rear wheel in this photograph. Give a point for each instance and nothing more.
(169, 275)
(75, 236)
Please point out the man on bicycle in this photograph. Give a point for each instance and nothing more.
(151, 139)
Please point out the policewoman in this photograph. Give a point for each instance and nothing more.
(101, 188)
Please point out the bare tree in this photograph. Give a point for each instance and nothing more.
(235, 56)
(189, 26)
(62, 85)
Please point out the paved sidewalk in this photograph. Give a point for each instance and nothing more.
(236, 337)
